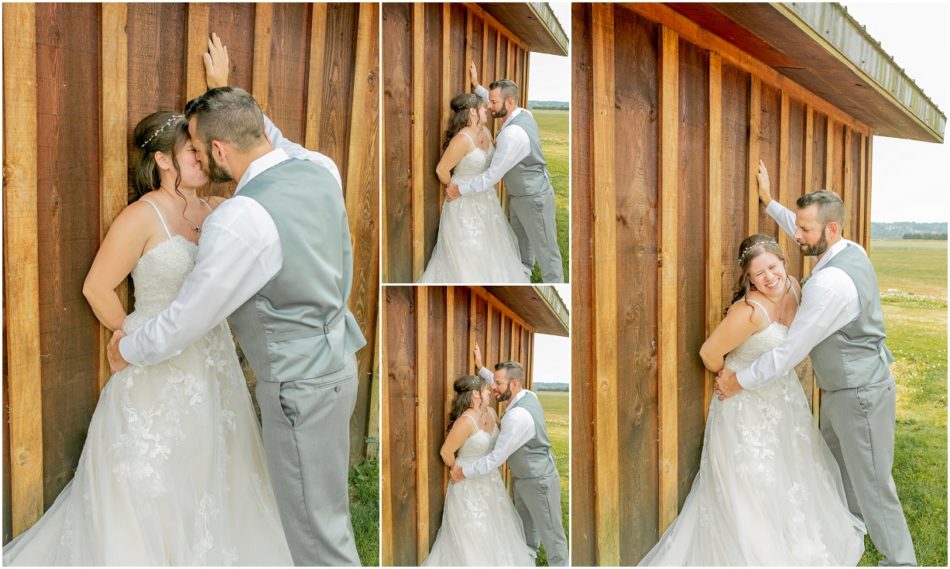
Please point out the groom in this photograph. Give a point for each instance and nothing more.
(277, 259)
(519, 159)
(841, 325)
(524, 443)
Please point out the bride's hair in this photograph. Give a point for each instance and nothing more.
(163, 132)
(750, 248)
(464, 387)
(460, 106)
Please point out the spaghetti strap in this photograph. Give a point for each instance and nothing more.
(207, 205)
(160, 217)
(762, 308)
(465, 134)
(473, 420)
(798, 301)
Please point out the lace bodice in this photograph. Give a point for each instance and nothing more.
(473, 163)
(158, 275)
(476, 446)
(757, 344)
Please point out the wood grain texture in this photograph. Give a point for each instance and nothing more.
(714, 300)
(22, 370)
(263, 18)
(198, 33)
(315, 73)
(752, 156)
(418, 136)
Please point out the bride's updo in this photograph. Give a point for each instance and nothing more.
(163, 132)
(460, 106)
(750, 248)
(464, 387)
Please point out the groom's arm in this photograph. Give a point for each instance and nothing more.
(487, 375)
(829, 302)
(295, 150)
(239, 252)
(516, 430)
(513, 147)
(482, 93)
(783, 216)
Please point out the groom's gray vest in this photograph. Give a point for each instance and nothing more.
(534, 458)
(530, 176)
(299, 326)
(855, 355)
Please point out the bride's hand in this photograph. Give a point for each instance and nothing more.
(217, 63)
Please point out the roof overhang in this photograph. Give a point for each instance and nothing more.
(539, 306)
(821, 47)
(534, 23)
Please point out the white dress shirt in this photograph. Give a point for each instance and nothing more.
(829, 303)
(238, 253)
(517, 428)
(512, 146)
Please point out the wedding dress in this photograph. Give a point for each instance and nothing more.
(768, 490)
(173, 469)
(480, 526)
(475, 243)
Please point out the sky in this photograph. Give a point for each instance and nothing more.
(550, 75)
(552, 354)
(909, 178)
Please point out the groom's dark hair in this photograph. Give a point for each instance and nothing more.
(227, 114)
(513, 370)
(830, 206)
(508, 89)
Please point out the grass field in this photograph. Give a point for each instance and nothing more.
(557, 417)
(555, 142)
(364, 510)
(912, 276)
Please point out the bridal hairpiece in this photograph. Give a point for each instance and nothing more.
(171, 119)
(745, 252)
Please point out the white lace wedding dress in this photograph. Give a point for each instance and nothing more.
(480, 526)
(768, 490)
(475, 244)
(173, 469)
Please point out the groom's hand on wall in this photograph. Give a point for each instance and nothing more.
(478, 357)
(452, 191)
(217, 63)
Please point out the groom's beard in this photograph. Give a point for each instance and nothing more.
(216, 172)
(816, 249)
(501, 398)
(500, 114)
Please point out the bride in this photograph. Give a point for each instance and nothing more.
(475, 243)
(768, 490)
(480, 525)
(173, 469)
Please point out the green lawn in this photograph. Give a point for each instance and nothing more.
(364, 510)
(556, 144)
(557, 416)
(912, 276)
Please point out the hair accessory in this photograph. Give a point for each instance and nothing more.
(745, 252)
(170, 120)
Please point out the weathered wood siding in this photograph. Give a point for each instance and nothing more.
(429, 334)
(425, 64)
(669, 124)
(77, 78)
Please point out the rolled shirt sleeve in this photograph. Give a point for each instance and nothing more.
(238, 253)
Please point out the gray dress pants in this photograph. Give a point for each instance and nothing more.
(306, 428)
(858, 425)
(538, 502)
(532, 220)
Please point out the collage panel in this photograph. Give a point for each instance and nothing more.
(475, 185)
(721, 195)
(475, 425)
(202, 448)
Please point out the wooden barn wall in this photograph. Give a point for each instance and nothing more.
(429, 334)
(425, 64)
(670, 122)
(77, 78)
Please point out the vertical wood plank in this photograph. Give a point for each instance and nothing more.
(197, 44)
(422, 420)
(868, 192)
(783, 239)
(385, 471)
(315, 78)
(862, 191)
(669, 148)
(113, 169)
(374, 436)
(486, 351)
(755, 112)
(606, 462)
(714, 213)
(260, 83)
(830, 154)
(472, 316)
(418, 136)
(468, 47)
(483, 68)
(808, 262)
(527, 74)
(449, 344)
(848, 190)
(20, 250)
